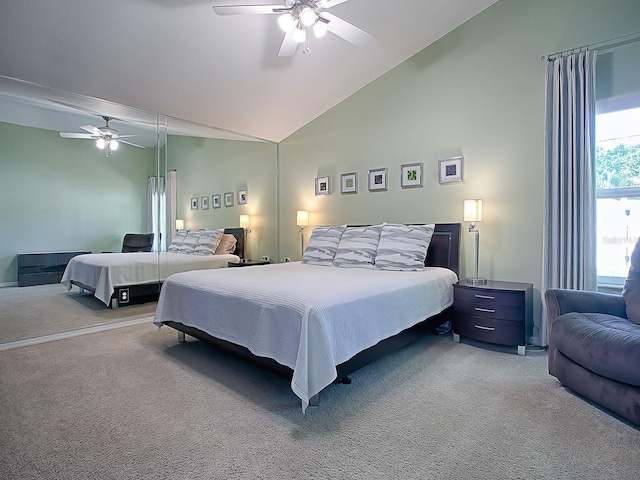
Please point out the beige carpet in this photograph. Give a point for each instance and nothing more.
(133, 403)
(33, 312)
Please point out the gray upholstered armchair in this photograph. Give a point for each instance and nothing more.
(594, 349)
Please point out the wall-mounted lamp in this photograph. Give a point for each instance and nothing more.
(473, 214)
(179, 224)
(302, 220)
(245, 223)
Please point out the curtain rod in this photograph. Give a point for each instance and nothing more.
(612, 42)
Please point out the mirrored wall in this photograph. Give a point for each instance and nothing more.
(61, 191)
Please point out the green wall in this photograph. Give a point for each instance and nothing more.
(206, 167)
(477, 92)
(64, 194)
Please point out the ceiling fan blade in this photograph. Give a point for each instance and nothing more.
(346, 30)
(124, 136)
(330, 3)
(76, 135)
(91, 129)
(129, 143)
(248, 9)
(289, 45)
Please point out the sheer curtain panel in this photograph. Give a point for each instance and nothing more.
(569, 230)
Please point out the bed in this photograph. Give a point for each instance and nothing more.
(315, 323)
(119, 279)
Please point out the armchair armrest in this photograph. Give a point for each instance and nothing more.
(561, 301)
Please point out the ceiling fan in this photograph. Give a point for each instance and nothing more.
(297, 17)
(106, 137)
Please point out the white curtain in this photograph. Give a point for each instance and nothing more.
(170, 213)
(569, 231)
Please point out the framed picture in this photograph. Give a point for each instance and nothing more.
(378, 179)
(411, 175)
(323, 186)
(215, 200)
(349, 182)
(204, 203)
(242, 197)
(450, 170)
(228, 199)
(194, 203)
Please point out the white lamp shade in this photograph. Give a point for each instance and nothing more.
(302, 218)
(319, 29)
(179, 224)
(244, 221)
(308, 17)
(101, 143)
(299, 35)
(286, 21)
(113, 144)
(473, 210)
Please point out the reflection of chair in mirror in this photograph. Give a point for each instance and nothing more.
(137, 242)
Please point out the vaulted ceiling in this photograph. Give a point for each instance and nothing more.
(178, 58)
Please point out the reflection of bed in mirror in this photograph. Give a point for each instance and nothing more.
(119, 279)
(316, 324)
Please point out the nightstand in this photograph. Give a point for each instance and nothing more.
(497, 312)
(248, 263)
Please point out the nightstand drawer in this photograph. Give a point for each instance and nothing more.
(501, 312)
(501, 332)
(490, 297)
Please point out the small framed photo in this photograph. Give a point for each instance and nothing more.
(411, 175)
(194, 203)
(242, 197)
(323, 186)
(349, 182)
(378, 180)
(215, 200)
(204, 202)
(228, 199)
(450, 170)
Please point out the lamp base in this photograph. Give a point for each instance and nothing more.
(475, 281)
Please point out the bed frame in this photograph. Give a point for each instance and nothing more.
(149, 292)
(444, 251)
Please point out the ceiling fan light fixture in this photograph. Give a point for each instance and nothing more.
(308, 16)
(286, 21)
(113, 144)
(299, 35)
(101, 143)
(320, 29)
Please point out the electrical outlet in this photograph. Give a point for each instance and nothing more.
(265, 258)
(287, 259)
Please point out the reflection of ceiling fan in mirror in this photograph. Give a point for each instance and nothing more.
(297, 18)
(106, 137)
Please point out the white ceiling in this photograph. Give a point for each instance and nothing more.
(178, 58)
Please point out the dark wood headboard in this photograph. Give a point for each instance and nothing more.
(237, 232)
(444, 249)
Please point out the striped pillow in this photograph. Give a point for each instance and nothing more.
(322, 245)
(403, 247)
(358, 247)
(208, 241)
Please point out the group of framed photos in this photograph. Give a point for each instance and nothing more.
(202, 203)
(449, 171)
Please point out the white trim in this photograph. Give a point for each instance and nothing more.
(8, 284)
(73, 333)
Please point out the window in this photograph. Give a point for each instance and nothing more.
(617, 186)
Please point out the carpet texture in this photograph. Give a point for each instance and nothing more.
(132, 403)
(31, 312)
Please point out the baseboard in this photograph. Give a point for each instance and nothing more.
(8, 284)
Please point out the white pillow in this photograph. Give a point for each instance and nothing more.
(322, 245)
(195, 242)
(403, 247)
(207, 243)
(358, 247)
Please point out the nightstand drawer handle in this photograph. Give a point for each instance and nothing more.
(487, 297)
(488, 310)
(491, 329)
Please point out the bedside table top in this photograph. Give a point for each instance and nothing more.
(496, 285)
(247, 263)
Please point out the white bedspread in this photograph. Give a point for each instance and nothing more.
(309, 318)
(103, 272)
